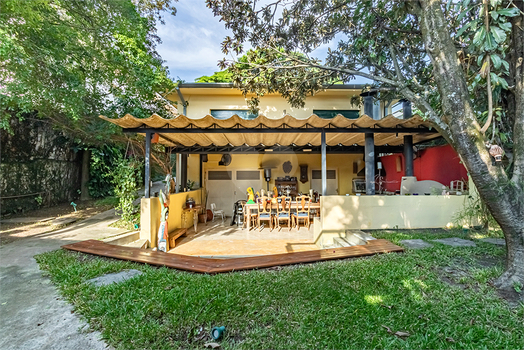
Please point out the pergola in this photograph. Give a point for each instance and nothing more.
(284, 135)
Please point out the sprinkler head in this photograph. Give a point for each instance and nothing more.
(218, 332)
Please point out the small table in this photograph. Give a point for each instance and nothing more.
(195, 209)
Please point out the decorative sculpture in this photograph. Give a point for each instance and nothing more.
(496, 152)
(275, 191)
(251, 196)
(164, 213)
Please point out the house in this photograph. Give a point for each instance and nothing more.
(330, 146)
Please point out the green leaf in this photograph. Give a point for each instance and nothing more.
(494, 14)
(506, 26)
(498, 34)
(505, 64)
(472, 24)
(496, 61)
(480, 36)
(512, 12)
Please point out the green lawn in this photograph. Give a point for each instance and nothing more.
(441, 296)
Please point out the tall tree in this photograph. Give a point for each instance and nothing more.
(70, 60)
(459, 61)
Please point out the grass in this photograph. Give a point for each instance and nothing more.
(110, 201)
(441, 296)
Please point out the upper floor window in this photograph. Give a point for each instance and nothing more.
(228, 113)
(330, 113)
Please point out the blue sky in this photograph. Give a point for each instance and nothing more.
(191, 41)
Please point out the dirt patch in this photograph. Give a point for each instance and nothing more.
(38, 221)
(490, 261)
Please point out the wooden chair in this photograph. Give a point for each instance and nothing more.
(264, 212)
(303, 208)
(248, 216)
(283, 211)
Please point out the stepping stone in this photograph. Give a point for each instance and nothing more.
(63, 221)
(416, 243)
(114, 277)
(456, 242)
(497, 241)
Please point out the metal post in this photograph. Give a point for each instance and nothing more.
(324, 170)
(408, 155)
(201, 157)
(406, 109)
(148, 165)
(177, 183)
(183, 172)
(369, 158)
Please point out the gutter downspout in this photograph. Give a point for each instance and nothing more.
(184, 102)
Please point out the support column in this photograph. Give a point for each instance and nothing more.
(147, 176)
(183, 171)
(369, 157)
(200, 179)
(406, 109)
(408, 155)
(178, 172)
(323, 161)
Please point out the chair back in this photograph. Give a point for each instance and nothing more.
(303, 204)
(284, 205)
(213, 206)
(264, 205)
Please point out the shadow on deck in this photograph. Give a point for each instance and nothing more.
(206, 265)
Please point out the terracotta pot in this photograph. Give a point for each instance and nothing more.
(202, 218)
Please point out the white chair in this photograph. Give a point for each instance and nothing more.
(217, 212)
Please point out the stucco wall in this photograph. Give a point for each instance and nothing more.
(150, 214)
(38, 164)
(340, 213)
(343, 163)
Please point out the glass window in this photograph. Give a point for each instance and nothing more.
(317, 174)
(248, 175)
(219, 175)
(330, 113)
(228, 113)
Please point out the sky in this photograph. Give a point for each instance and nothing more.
(191, 41)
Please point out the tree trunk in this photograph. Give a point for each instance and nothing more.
(503, 197)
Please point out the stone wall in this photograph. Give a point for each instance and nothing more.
(38, 167)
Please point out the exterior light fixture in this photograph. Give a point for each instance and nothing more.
(307, 150)
(496, 152)
(268, 150)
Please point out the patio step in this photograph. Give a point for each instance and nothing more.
(141, 244)
(362, 235)
(124, 238)
(342, 242)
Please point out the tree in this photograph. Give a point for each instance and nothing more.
(459, 61)
(68, 61)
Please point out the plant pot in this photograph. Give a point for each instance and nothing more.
(202, 218)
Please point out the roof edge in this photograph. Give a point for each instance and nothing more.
(232, 86)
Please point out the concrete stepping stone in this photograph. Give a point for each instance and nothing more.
(497, 241)
(114, 277)
(415, 243)
(456, 242)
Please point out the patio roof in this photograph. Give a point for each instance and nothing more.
(235, 131)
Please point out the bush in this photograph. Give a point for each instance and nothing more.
(127, 177)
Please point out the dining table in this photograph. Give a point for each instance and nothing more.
(254, 206)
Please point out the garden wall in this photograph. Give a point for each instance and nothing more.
(38, 167)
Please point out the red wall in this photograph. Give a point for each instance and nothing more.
(440, 164)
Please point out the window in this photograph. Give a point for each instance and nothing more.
(330, 113)
(228, 113)
(219, 175)
(248, 175)
(317, 174)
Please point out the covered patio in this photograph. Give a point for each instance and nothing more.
(207, 136)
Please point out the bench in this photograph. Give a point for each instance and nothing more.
(172, 236)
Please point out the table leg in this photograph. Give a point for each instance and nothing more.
(248, 220)
(195, 220)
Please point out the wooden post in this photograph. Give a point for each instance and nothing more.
(201, 157)
(324, 161)
(408, 155)
(148, 165)
(369, 157)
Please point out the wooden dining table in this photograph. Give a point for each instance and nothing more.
(254, 206)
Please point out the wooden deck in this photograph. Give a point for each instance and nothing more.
(205, 265)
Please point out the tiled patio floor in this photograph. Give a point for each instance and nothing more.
(217, 239)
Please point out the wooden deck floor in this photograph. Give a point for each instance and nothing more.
(206, 265)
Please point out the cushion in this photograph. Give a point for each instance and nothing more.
(303, 215)
(264, 215)
(283, 215)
